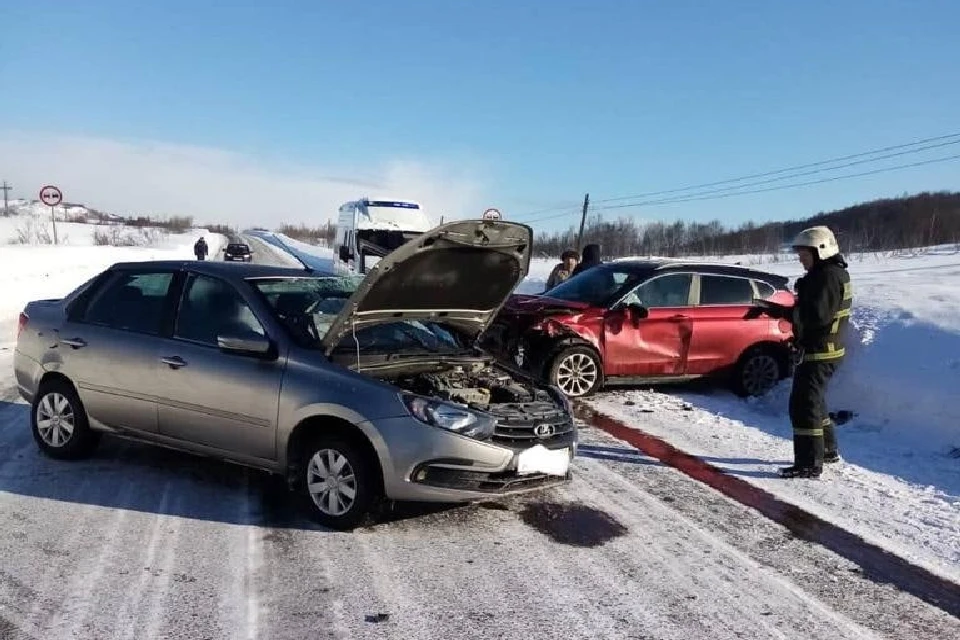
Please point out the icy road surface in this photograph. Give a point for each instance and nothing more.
(141, 542)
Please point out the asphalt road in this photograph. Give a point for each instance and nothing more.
(142, 542)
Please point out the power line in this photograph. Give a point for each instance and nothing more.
(764, 174)
(820, 166)
(695, 198)
(566, 207)
(816, 171)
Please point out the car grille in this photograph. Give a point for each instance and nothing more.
(518, 423)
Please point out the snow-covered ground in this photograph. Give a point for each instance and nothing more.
(152, 543)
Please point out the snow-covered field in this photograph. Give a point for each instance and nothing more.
(151, 543)
(35, 271)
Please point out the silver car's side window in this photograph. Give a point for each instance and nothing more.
(210, 307)
(131, 301)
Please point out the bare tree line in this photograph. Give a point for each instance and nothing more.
(908, 222)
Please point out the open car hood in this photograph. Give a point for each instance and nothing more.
(458, 274)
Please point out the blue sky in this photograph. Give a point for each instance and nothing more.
(524, 105)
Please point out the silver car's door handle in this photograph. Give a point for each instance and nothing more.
(175, 362)
(76, 343)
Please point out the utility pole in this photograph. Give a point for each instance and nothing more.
(583, 220)
(6, 207)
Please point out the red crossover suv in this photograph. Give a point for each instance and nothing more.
(641, 322)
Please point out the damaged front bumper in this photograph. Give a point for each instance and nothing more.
(460, 469)
(529, 470)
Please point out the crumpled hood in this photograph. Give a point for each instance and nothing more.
(459, 274)
(521, 304)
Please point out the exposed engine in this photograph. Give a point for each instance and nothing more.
(525, 414)
(478, 386)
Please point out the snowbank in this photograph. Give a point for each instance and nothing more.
(33, 272)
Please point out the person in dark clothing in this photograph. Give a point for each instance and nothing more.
(591, 258)
(820, 318)
(564, 269)
(200, 249)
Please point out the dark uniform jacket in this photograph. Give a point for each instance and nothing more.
(822, 311)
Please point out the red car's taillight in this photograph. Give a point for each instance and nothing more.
(22, 323)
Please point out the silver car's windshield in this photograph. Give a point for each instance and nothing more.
(307, 306)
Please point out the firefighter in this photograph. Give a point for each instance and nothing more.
(819, 317)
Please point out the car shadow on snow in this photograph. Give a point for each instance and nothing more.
(139, 477)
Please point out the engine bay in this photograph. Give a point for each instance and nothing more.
(476, 385)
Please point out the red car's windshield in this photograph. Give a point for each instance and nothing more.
(599, 286)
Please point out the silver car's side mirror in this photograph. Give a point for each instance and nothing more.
(246, 343)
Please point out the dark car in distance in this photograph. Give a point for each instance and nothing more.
(645, 322)
(237, 251)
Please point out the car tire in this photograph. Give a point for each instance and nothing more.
(757, 371)
(337, 457)
(59, 422)
(576, 371)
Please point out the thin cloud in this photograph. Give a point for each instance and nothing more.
(214, 185)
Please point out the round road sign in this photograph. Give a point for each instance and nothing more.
(51, 195)
(492, 214)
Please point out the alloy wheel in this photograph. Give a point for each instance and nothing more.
(760, 374)
(577, 374)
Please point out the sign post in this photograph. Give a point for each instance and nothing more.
(51, 196)
(492, 214)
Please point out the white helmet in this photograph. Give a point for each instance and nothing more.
(820, 239)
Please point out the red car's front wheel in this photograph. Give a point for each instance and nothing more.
(576, 371)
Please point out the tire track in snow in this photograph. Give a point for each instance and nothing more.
(138, 600)
(757, 587)
(878, 563)
(816, 570)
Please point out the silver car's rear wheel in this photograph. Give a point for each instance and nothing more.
(55, 419)
(59, 422)
(338, 480)
(576, 371)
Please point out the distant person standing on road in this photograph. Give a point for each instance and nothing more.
(200, 249)
(820, 318)
(591, 258)
(564, 269)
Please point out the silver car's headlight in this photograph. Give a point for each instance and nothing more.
(449, 416)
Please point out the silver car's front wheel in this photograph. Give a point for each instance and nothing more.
(576, 371)
(331, 482)
(338, 481)
(59, 422)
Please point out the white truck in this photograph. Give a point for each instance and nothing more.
(368, 229)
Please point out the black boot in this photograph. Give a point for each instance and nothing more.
(830, 454)
(800, 472)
